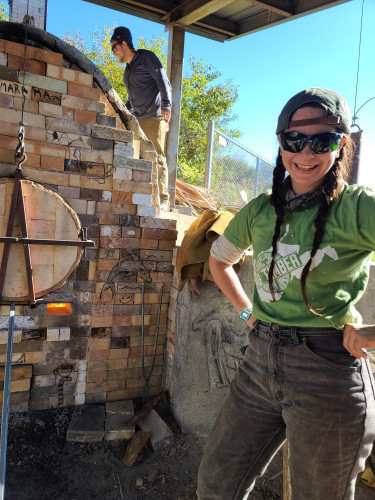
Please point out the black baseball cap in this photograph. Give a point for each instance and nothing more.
(122, 34)
(336, 108)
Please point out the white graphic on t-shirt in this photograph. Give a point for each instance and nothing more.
(288, 265)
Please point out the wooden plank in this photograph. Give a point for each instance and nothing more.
(135, 447)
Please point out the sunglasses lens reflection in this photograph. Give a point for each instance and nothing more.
(294, 142)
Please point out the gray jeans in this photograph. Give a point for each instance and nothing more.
(302, 385)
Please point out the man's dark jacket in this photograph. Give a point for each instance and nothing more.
(147, 84)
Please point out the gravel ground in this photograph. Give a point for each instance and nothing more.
(42, 465)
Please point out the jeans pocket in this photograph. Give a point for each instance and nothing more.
(329, 350)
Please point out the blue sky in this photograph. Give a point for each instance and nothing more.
(319, 50)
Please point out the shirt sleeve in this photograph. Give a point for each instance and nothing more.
(224, 251)
(366, 219)
(238, 230)
(157, 72)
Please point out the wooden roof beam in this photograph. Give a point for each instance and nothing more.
(282, 7)
(191, 11)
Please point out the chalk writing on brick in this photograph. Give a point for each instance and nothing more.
(44, 95)
(12, 88)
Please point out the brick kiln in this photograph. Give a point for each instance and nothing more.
(77, 143)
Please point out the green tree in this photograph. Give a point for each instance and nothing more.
(204, 96)
(4, 10)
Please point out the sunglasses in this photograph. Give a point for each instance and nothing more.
(325, 142)
(114, 47)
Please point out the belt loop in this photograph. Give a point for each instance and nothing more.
(293, 334)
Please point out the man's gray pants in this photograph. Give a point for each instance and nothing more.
(302, 385)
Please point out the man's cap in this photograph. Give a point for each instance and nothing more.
(122, 34)
(336, 108)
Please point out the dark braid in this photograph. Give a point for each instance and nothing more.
(277, 200)
(331, 186)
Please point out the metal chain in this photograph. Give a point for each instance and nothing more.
(20, 155)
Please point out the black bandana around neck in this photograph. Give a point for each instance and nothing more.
(303, 201)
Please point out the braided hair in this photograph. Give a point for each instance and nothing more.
(330, 188)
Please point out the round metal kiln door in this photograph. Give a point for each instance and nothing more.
(48, 216)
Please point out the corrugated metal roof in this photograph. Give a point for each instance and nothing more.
(219, 19)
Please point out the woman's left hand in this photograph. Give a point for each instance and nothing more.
(358, 337)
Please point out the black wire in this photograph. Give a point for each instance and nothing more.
(359, 59)
(24, 65)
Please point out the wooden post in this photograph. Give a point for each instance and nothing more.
(175, 66)
(287, 492)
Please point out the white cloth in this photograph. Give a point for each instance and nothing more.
(224, 251)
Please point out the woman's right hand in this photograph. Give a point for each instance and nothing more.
(250, 322)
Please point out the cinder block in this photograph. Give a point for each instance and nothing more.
(87, 424)
(146, 210)
(114, 134)
(64, 333)
(43, 82)
(141, 199)
(116, 428)
(121, 161)
(53, 334)
(161, 437)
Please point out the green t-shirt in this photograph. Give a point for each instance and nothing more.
(340, 269)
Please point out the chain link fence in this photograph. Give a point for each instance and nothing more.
(231, 168)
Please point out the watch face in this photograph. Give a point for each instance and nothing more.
(245, 314)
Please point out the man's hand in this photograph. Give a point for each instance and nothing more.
(358, 337)
(166, 114)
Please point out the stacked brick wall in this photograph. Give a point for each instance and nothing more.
(94, 354)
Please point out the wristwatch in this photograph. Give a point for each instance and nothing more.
(246, 313)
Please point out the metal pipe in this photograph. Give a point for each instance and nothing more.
(210, 146)
(38, 241)
(6, 400)
(256, 178)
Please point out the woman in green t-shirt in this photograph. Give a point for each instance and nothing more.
(305, 376)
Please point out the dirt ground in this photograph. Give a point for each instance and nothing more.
(42, 465)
